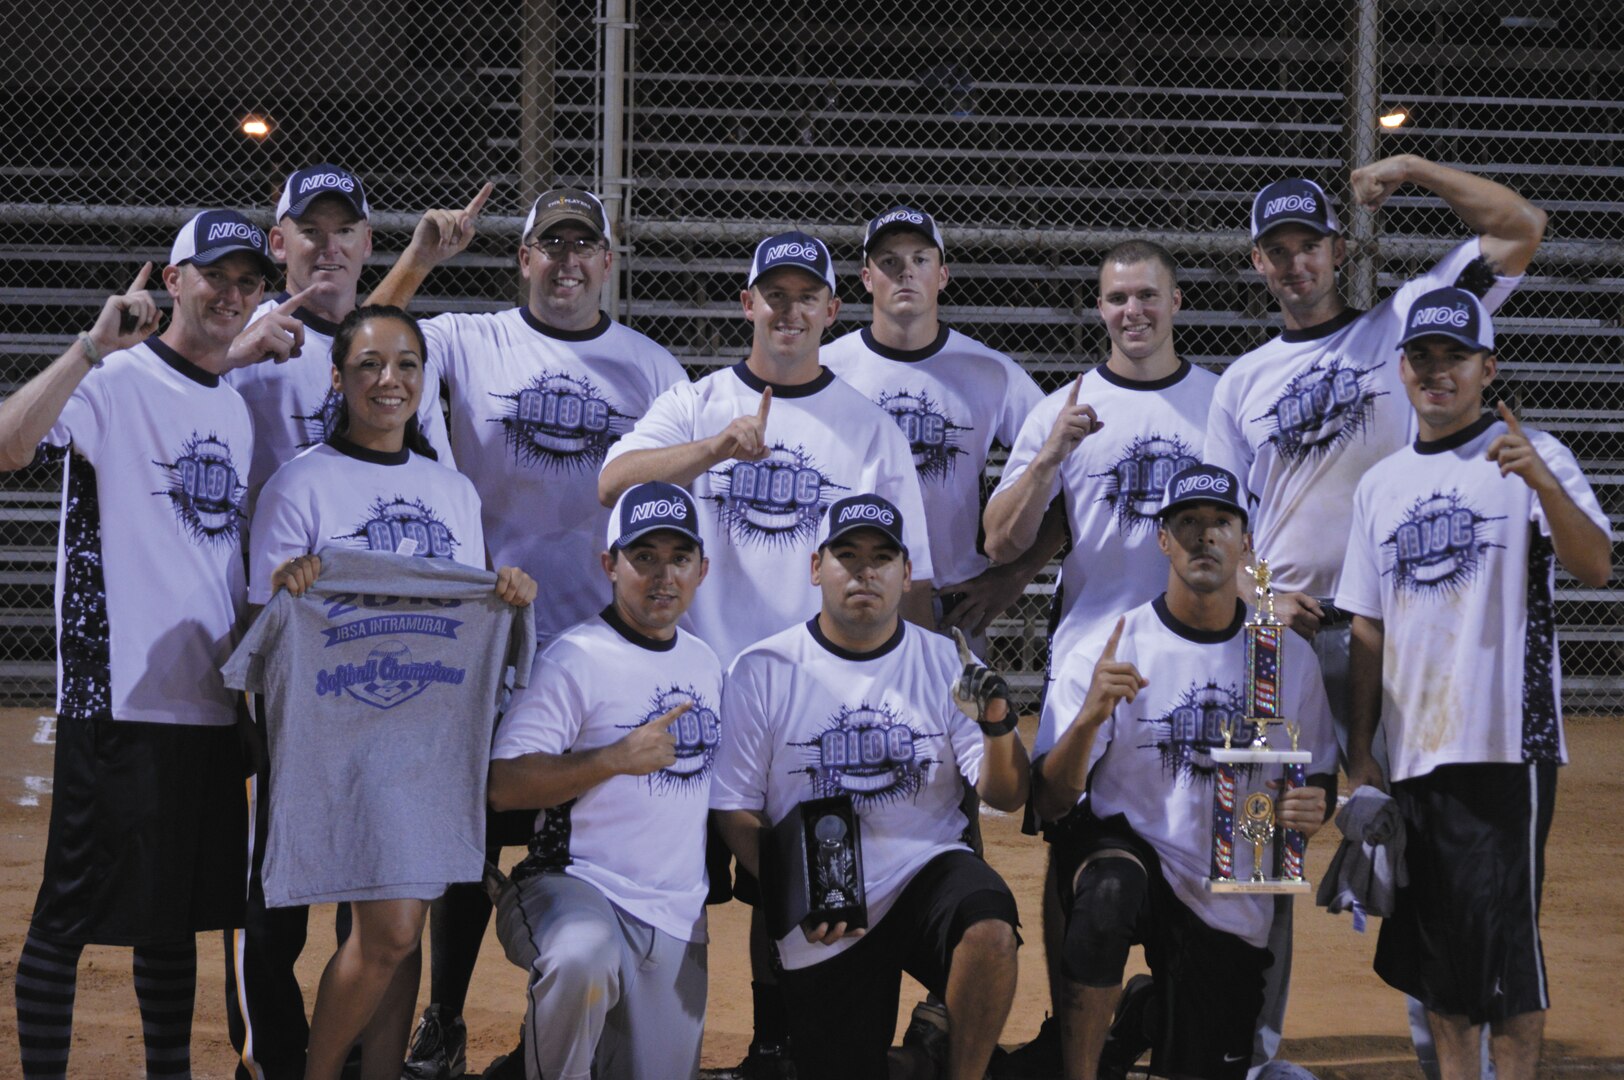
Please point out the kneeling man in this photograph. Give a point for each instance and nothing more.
(1131, 861)
(856, 675)
(616, 738)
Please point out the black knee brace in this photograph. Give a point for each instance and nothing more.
(1099, 927)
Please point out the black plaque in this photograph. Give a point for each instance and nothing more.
(812, 867)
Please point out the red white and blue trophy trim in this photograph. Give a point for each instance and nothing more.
(1276, 855)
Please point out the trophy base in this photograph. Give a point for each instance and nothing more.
(1218, 885)
(1261, 757)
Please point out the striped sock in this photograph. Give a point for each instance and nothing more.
(47, 976)
(165, 986)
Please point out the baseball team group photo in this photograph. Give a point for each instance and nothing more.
(944, 552)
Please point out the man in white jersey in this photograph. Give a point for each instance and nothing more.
(538, 394)
(1450, 576)
(1106, 444)
(953, 398)
(766, 446)
(856, 702)
(147, 838)
(616, 738)
(1158, 688)
(1300, 418)
(322, 238)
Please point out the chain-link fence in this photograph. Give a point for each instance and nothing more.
(1039, 135)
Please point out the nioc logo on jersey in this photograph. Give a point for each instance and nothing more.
(561, 422)
(1134, 486)
(388, 677)
(318, 425)
(1438, 547)
(1195, 725)
(931, 435)
(698, 731)
(869, 753)
(777, 500)
(389, 521)
(205, 490)
(1321, 408)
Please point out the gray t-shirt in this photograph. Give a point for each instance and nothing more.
(380, 688)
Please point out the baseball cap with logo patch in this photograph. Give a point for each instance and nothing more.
(571, 206)
(1202, 484)
(652, 507)
(861, 512)
(1293, 202)
(903, 217)
(1450, 313)
(213, 234)
(310, 183)
(795, 249)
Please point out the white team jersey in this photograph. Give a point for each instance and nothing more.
(1150, 758)
(1300, 419)
(805, 719)
(533, 411)
(340, 494)
(1457, 563)
(952, 399)
(759, 519)
(293, 404)
(1113, 483)
(639, 839)
(149, 570)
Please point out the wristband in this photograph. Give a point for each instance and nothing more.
(1002, 727)
(92, 354)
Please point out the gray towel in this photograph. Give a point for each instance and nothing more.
(1368, 867)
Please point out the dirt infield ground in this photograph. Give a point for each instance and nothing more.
(1343, 1021)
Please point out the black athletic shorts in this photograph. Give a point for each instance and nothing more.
(1209, 982)
(1464, 935)
(148, 840)
(843, 1011)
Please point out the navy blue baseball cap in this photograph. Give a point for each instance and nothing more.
(652, 507)
(310, 183)
(903, 217)
(1450, 313)
(861, 512)
(795, 249)
(1293, 202)
(214, 234)
(1203, 484)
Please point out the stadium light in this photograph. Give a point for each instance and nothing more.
(256, 127)
(1394, 119)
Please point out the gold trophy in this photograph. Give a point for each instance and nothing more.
(1276, 853)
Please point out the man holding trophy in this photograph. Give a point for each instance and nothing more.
(853, 735)
(1188, 747)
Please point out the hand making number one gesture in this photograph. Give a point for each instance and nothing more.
(1514, 452)
(746, 437)
(1113, 681)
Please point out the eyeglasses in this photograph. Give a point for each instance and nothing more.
(554, 248)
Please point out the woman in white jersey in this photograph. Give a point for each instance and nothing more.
(374, 485)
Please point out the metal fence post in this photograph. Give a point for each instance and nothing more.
(1363, 102)
(612, 167)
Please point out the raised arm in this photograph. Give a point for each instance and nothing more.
(1015, 513)
(439, 235)
(1063, 771)
(1511, 227)
(27, 416)
(1583, 548)
(745, 438)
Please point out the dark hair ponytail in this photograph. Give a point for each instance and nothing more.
(344, 343)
